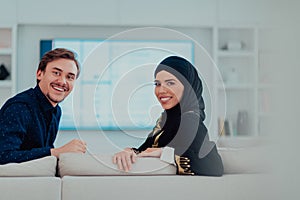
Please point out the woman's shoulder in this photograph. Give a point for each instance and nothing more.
(191, 114)
(190, 117)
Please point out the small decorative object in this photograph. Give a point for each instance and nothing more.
(232, 76)
(233, 45)
(3, 72)
(225, 127)
(242, 123)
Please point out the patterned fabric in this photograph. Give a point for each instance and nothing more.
(28, 127)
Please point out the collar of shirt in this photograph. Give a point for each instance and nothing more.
(43, 101)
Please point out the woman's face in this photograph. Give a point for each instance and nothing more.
(168, 89)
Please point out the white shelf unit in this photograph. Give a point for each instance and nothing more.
(265, 86)
(236, 56)
(8, 59)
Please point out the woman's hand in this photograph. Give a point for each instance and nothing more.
(125, 159)
(151, 152)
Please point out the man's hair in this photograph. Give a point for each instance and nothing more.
(56, 54)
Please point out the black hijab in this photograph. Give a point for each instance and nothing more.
(187, 74)
(167, 126)
(182, 127)
(191, 101)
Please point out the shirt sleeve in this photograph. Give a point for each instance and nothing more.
(14, 121)
(167, 155)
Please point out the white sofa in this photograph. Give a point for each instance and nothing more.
(227, 187)
(93, 176)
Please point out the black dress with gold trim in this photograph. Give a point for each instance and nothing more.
(186, 133)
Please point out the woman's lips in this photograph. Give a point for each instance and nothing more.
(164, 99)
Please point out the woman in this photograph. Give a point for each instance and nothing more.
(180, 136)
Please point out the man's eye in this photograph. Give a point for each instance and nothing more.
(156, 83)
(71, 78)
(56, 73)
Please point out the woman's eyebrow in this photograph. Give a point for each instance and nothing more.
(170, 80)
(165, 80)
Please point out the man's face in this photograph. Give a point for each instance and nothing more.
(57, 81)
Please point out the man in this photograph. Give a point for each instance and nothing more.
(29, 121)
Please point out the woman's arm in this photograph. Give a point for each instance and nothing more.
(150, 140)
(127, 157)
(190, 150)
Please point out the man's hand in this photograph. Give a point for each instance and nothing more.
(125, 159)
(76, 146)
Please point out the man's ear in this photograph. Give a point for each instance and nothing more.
(39, 74)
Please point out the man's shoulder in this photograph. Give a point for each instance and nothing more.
(25, 97)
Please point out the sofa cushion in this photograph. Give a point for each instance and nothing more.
(244, 160)
(86, 164)
(169, 187)
(30, 188)
(39, 167)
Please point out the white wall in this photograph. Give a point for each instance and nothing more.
(147, 13)
(111, 12)
(277, 19)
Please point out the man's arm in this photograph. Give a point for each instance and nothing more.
(14, 120)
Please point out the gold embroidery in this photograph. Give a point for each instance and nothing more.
(155, 131)
(155, 143)
(183, 164)
(157, 127)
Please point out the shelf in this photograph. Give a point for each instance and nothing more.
(245, 86)
(237, 60)
(242, 53)
(264, 114)
(6, 51)
(265, 86)
(5, 83)
(7, 58)
(234, 137)
(236, 87)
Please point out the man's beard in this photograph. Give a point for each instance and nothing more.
(53, 100)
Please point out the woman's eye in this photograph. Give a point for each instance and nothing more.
(170, 83)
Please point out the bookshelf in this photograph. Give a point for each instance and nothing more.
(7, 60)
(236, 56)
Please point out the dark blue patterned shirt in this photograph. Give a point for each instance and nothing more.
(28, 127)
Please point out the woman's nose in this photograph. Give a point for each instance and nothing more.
(162, 89)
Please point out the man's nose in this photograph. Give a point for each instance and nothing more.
(62, 79)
